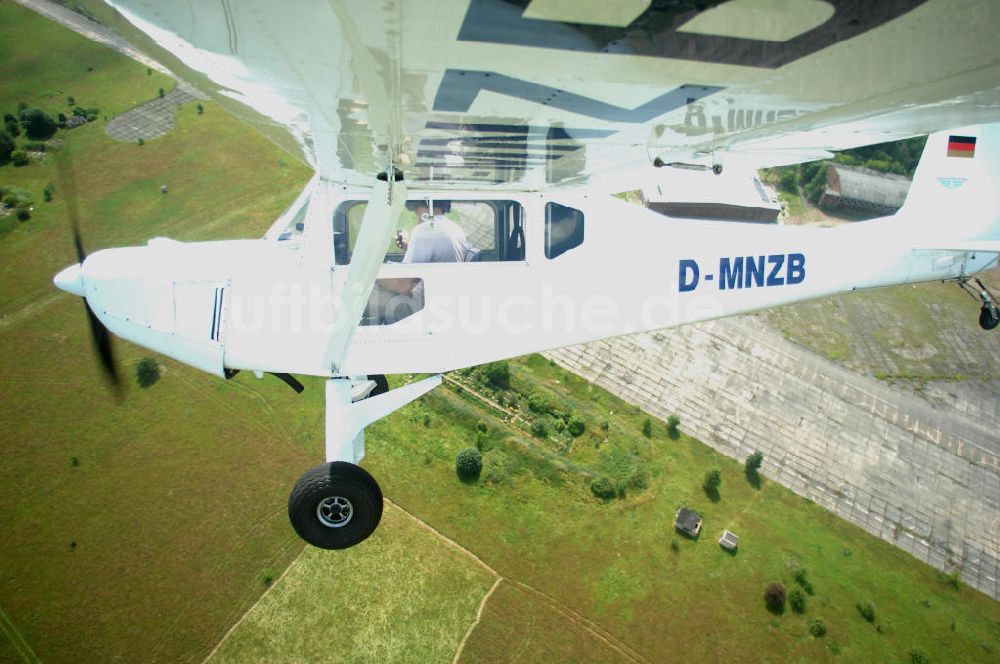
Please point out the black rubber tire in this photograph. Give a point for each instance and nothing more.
(381, 384)
(986, 319)
(337, 478)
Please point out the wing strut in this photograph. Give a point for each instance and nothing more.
(377, 226)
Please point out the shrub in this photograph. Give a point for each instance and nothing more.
(867, 611)
(468, 464)
(6, 146)
(19, 158)
(954, 579)
(638, 479)
(754, 462)
(23, 213)
(11, 125)
(427, 420)
(497, 374)
(540, 428)
(481, 426)
(537, 403)
(673, 422)
(37, 124)
(713, 479)
(576, 427)
(919, 657)
(71, 101)
(147, 372)
(201, 109)
(603, 488)
(797, 600)
(817, 628)
(647, 428)
(774, 597)
(139, 141)
(802, 579)
(675, 545)
(47, 192)
(61, 119)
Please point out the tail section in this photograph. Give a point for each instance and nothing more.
(954, 201)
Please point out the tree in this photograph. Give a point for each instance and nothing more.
(867, 611)
(38, 125)
(147, 372)
(673, 424)
(468, 464)
(713, 479)
(774, 598)
(576, 427)
(538, 404)
(797, 600)
(497, 374)
(754, 462)
(6, 147)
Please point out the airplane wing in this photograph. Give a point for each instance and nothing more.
(542, 93)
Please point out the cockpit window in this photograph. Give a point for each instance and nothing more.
(450, 231)
(563, 229)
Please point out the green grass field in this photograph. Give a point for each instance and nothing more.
(144, 531)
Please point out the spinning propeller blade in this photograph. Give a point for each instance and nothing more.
(71, 280)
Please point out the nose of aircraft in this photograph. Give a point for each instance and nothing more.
(70, 280)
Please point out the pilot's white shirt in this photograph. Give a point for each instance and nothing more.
(437, 240)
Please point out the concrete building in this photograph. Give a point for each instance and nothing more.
(863, 190)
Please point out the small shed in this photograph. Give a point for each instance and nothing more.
(729, 541)
(688, 522)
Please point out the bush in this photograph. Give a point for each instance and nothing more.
(497, 374)
(817, 628)
(713, 479)
(147, 372)
(161, 93)
(867, 611)
(638, 480)
(673, 424)
(38, 124)
(23, 214)
(201, 109)
(19, 158)
(468, 464)
(647, 428)
(802, 579)
(481, 426)
(576, 427)
(11, 125)
(427, 420)
(675, 545)
(47, 192)
(797, 600)
(603, 488)
(537, 403)
(540, 428)
(754, 462)
(919, 657)
(774, 597)
(6, 147)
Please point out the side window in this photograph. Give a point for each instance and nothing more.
(471, 231)
(563, 229)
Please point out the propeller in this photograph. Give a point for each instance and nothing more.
(70, 280)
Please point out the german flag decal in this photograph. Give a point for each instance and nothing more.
(962, 146)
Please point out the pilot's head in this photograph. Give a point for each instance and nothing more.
(419, 207)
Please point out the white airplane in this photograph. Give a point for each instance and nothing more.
(507, 125)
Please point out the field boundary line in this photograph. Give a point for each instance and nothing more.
(475, 623)
(589, 625)
(447, 539)
(20, 644)
(260, 599)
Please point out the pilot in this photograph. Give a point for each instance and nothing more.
(435, 239)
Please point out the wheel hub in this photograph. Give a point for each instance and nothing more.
(334, 511)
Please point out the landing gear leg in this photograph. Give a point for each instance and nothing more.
(338, 504)
(989, 314)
